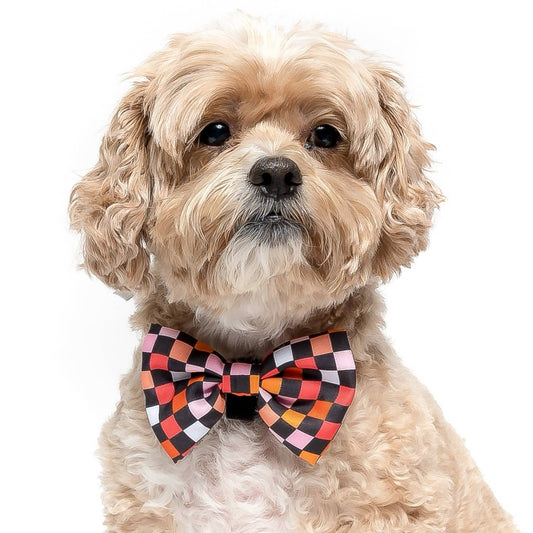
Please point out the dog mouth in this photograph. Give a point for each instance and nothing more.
(273, 216)
(272, 228)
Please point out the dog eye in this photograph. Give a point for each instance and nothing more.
(324, 136)
(215, 134)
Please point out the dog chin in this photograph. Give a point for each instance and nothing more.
(259, 251)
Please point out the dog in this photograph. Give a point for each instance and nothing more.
(255, 186)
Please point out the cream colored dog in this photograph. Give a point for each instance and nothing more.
(254, 186)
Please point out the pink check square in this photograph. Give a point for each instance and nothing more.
(299, 439)
(149, 341)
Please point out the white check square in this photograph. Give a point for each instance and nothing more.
(283, 355)
(196, 431)
(330, 376)
(153, 414)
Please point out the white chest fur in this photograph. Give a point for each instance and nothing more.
(238, 479)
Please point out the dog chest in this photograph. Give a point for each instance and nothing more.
(237, 479)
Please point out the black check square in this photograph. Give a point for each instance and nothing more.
(301, 349)
(339, 341)
(281, 428)
(163, 345)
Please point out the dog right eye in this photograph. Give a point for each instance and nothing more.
(215, 134)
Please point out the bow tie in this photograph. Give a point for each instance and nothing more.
(303, 387)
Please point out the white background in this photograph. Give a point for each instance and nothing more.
(460, 318)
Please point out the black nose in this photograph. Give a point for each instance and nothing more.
(276, 176)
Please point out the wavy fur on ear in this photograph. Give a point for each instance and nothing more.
(109, 206)
(408, 198)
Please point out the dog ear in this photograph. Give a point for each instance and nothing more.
(109, 205)
(408, 198)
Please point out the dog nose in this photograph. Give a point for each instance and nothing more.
(276, 176)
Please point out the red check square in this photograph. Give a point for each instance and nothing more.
(170, 426)
(327, 430)
(165, 393)
(306, 362)
(345, 395)
(158, 362)
(309, 390)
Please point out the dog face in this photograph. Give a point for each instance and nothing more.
(253, 165)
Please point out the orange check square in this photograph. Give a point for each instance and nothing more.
(254, 384)
(219, 404)
(292, 418)
(170, 449)
(293, 373)
(179, 401)
(320, 409)
(311, 458)
(203, 347)
(268, 415)
(272, 385)
(180, 350)
(321, 345)
(147, 380)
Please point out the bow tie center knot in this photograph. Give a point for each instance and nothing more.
(241, 379)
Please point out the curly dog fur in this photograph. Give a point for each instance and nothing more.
(168, 217)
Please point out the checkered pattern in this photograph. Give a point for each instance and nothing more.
(304, 388)
(241, 379)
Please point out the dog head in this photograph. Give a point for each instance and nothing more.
(249, 166)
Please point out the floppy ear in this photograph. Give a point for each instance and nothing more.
(408, 198)
(109, 205)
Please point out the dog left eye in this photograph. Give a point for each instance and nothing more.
(215, 134)
(324, 136)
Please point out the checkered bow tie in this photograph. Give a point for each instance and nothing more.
(303, 389)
